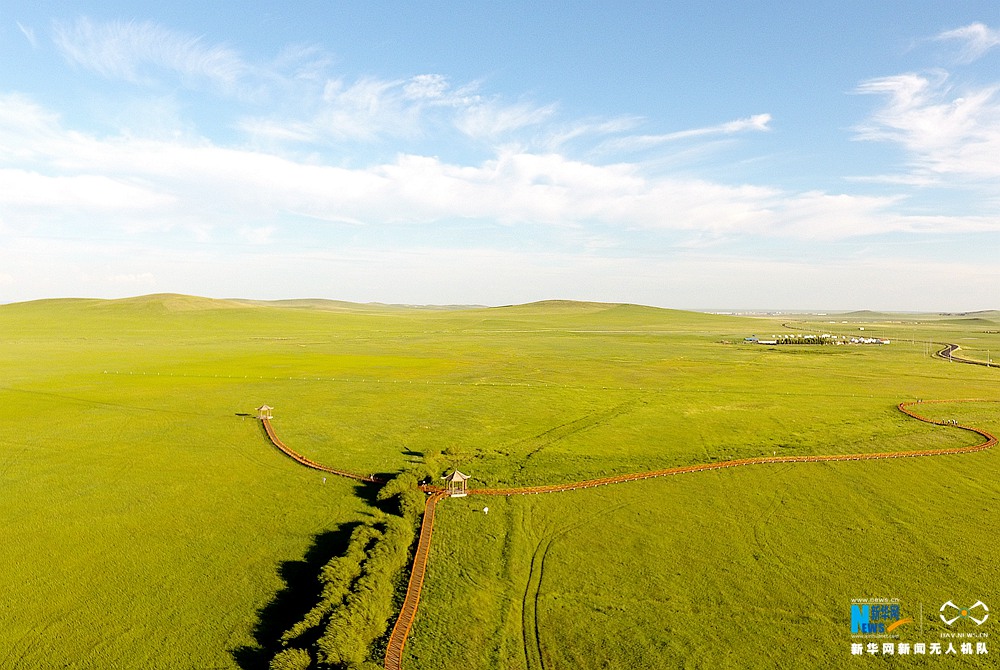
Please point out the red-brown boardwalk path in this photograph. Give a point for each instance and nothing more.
(401, 630)
(988, 441)
(269, 429)
(394, 650)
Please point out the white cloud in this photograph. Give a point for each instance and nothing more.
(308, 105)
(154, 202)
(975, 40)
(368, 109)
(134, 51)
(896, 180)
(560, 136)
(19, 188)
(204, 187)
(29, 34)
(426, 87)
(304, 62)
(947, 133)
(756, 123)
(23, 125)
(265, 131)
(491, 120)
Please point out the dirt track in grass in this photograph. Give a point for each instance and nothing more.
(400, 632)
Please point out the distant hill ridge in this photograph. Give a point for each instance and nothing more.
(967, 318)
(176, 303)
(568, 315)
(329, 305)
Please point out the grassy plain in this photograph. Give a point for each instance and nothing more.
(748, 568)
(148, 525)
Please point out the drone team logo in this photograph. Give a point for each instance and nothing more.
(950, 613)
(876, 632)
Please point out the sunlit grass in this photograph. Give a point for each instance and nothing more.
(147, 523)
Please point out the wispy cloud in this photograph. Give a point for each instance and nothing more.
(297, 100)
(974, 41)
(518, 168)
(139, 52)
(369, 109)
(947, 132)
(895, 180)
(426, 87)
(492, 120)
(204, 187)
(560, 135)
(29, 34)
(756, 123)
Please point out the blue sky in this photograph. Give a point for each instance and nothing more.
(706, 155)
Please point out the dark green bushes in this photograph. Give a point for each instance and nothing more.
(291, 659)
(367, 608)
(359, 597)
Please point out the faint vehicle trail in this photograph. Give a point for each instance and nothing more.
(533, 659)
(532, 647)
(397, 641)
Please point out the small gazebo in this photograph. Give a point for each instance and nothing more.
(455, 484)
(264, 412)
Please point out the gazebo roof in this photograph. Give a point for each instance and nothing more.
(265, 407)
(456, 476)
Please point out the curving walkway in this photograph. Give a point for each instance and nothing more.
(393, 657)
(988, 441)
(269, 429)
(401, 630)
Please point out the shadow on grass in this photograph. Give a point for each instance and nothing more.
(301, 593)
(368, 491)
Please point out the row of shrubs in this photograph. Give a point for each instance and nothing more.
(361, 590)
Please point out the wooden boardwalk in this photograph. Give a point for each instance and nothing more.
(401, 630)
(394, 653)
(397, 640)
(988, 441)
(269, 429)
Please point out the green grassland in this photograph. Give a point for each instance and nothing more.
(148, 524)
(753, 567)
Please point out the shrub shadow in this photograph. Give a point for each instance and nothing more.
(301, 593)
